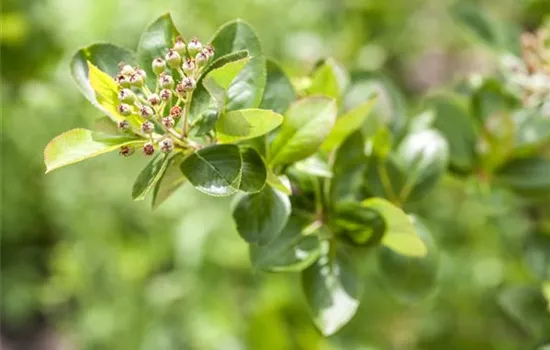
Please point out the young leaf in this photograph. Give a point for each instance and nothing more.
(314, 166)
(155, 41)
(347, 124)
(224, 75)
(290, 251)
(328, 80)
(214, 170)
(106, 57)
(246, 124)
(261, 216)
(170, 181)
(410, 278)
(246, 89)
(400, 235)
(254, 173)
(105, 91)
(332, 289)
(279, 93)
(280, 183)
(306, 125)
(76, 145)
(149, 177)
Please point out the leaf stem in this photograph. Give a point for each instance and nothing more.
(185, 115)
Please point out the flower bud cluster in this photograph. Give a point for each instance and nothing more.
(158, 112)
(529, 76)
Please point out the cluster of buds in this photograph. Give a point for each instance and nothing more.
(529, 76)
(176, 76)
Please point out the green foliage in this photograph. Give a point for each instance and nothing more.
(330, 175)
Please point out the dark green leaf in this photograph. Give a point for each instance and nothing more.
(410, 278)
(290, 251)
(306, 125)
(149, 176)
(360, 225)
(261, 216)
(246, 90)
(278, 93)
(254, 173)
(527, 176)
(349, 169)
(170, 181)
(155, 41)
(214, 170)
(332, 289)
(453, 121)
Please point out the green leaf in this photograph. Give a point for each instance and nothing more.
(254, 173)
(332, 289)
(246, 124)
(290, 251)
(226, 59)
(149, 177)
(314, 166)
(76, 145)
(349, 169)
(454, 122)
(422, 157)
(279, 93)
(170, 181)
(360, 225)
(207, 105)
(261, 216)
(247, 88)
(532, 129)
(155, 41)
(527, 307)
(214, 170)
(409, 277)
(224, 75)
(306, 125)
(537, 255)
(527, 176)
(106, 57)
(400, 235)
(106, 92)
(492, 100)
(327, 80)
(347, 124)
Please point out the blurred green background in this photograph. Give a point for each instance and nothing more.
(85, 267)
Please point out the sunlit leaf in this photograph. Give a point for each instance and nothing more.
(246, 124)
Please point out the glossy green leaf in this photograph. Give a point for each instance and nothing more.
(527, 307)
(527, 176)
(171, 180)
(422, 158)
(454, 122)
(349, 169)
(261, 216)
(347, 124)
(210, 104)
(332, 289)
(279, 93)
(214, 170)
(247, 88)
(290, 251)
(409, 277)
(306, 125)
(149, 177)
(78, 144)
(400, 235)
(106, 57)
(254, 172)
(246, 124)
(155, 41)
